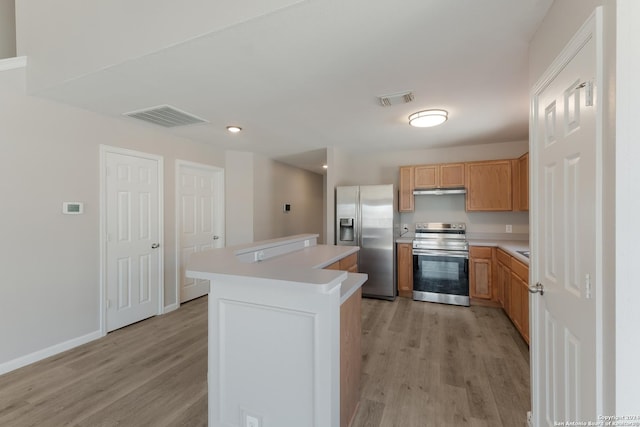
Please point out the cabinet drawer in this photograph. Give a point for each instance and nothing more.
(520, 270)
(480, 252)
(350, 263)
(503, 257)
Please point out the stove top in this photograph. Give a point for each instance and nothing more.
(439, 235)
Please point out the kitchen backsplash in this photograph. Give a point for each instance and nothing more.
(451, 208)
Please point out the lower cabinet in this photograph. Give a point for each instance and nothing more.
(405, 270)
(350, 344)
(512, 279)
(350, 357)
(481, 272)
(520, 300)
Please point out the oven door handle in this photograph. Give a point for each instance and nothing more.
(440, 253)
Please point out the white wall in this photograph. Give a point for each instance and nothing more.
(239, 197)
(275, 184)
(77, 38)
(7, 29)
(382, 168)
(562, 21)
(49, 262)
(627, 290)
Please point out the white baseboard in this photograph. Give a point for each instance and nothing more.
(11, 63)
(47, 352)
(171, 307)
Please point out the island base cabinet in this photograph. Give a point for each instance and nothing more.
(350, 357)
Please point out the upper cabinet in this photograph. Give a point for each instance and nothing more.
(405, 202)
(496, 185)
(489, 186)
(446, 175)
(523, 183)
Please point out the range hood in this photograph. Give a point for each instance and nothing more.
(440, 191)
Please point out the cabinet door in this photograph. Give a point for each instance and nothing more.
(506, 288)
(406, 189)
(523, 182)
(480, 274)
(451, 175)
(426, 176)
(525, 312)
(405, 270)
(499, 284)
(516, 301)
(489, 186)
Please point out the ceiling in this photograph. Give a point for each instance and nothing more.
(307, 77)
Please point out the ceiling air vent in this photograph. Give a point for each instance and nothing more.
(395, 98)
(165, 115)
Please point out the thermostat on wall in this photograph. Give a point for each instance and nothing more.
(72, 208)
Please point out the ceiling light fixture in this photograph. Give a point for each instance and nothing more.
(325, 166)
(428, 118)
(234, 129)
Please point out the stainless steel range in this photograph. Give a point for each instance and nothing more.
(441, 263)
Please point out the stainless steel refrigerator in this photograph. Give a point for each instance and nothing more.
(367, 216)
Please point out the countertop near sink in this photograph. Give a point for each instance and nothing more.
(510, 246)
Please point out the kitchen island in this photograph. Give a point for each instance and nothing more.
(280, 328)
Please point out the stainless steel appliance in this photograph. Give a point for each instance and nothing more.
(367, 216)
(441, 263)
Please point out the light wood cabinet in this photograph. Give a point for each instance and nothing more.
(348, 263)
(503, 276)
(425, 176)
(523, 183)
(520, 280)
(481, 272)
(512, 279)
(350, 356)
(489, 186)
(350, 344)
(445, 175)
(452, 175)
(405, 270)
(406, 182)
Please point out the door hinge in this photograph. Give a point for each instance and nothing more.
(587, 286)
(588, 92)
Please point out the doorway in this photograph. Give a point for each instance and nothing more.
(131, 236)
(199, 220)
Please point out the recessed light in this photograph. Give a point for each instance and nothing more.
(234, 129)
(428, 118)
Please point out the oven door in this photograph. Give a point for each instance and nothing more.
(441, 276)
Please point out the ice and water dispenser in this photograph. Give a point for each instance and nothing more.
(346, 229)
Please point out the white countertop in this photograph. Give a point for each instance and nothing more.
(304, 266)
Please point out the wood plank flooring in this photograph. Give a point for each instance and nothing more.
(423, 365)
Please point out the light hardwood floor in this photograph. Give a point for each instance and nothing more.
(423, 365)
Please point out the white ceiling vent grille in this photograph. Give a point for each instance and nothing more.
(395, 99)
(165, 115)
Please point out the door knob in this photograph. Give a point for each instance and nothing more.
(537, 288)
(216, 237)
(155, 245)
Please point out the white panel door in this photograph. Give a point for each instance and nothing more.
(200, 219)
(133, 276)
(566, 256)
